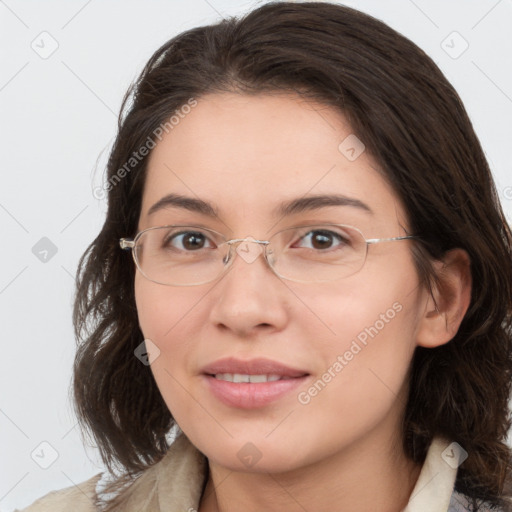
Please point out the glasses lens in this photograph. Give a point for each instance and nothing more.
(188, 255)
(180, 255)
(317, 253)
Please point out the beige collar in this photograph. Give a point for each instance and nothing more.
(436, 482)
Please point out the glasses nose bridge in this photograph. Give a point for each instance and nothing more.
(237, 241)
(234, 243)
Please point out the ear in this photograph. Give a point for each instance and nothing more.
(438, 325)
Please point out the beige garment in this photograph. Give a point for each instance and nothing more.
(175, 485)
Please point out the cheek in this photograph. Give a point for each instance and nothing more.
(169, 317)
(376, 307)
(365, 353)
(361, 371)
(164, 310)
(164, 313)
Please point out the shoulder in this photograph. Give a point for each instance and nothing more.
(175, 482)
(79, 498)
(460, 503)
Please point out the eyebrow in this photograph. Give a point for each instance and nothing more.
(287, 208)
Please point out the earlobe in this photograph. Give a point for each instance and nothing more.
(441, 318)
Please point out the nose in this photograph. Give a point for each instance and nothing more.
(249, 297)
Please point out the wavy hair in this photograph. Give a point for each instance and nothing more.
(414, 125)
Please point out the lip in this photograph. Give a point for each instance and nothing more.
(258, 366)
(251, 395)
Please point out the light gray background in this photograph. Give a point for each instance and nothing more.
(58, 119)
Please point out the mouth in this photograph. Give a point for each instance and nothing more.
(240, 377)
(251, 384)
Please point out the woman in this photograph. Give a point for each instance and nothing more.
(318, 306)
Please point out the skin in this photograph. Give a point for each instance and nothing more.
(246, 154)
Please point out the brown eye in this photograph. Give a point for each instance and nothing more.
(186, 241)
(324, 239)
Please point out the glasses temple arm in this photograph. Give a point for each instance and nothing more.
(377, 240)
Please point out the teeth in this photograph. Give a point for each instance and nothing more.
(238, 377)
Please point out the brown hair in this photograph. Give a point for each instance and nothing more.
(413, 123)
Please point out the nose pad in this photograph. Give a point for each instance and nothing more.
(270, 255)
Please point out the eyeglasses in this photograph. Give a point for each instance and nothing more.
(191, 255)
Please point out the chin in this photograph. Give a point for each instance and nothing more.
(258, 456)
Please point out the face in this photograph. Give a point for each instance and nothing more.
(347, 344)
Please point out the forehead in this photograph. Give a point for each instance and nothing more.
(246, 154)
